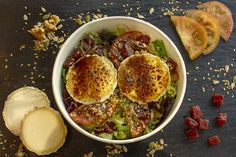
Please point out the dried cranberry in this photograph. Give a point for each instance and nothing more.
(191, 123)
(203, 124)
(221, 119)
(144, 39)
(213, 140)
(192, 133)
(195, 112)
(217, 99)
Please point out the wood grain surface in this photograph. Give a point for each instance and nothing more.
(16, 67)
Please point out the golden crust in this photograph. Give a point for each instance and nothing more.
(143, 78)
(92, 79)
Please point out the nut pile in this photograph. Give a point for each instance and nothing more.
(44, 32)
(155, 146)
(115, 149)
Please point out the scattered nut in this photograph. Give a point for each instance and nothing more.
(38, 32)
(54, 19)
(25, 18)
(51, 24)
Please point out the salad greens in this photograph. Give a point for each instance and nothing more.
(171, 90)
(63, 73)
(123, 130)
(153, 122)
(158, 48)
(120, 30)
(106, 135)
(101, 43)
(95, 37)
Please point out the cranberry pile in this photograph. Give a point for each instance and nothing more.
(195, 121)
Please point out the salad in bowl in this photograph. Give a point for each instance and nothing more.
(119, 84)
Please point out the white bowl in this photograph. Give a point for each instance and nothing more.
(111, 23)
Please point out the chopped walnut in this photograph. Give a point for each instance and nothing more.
(38, 32)
(51, 24)
(45, 32)
(154, 147)
(54, 19)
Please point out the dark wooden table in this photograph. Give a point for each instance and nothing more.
(16, 66)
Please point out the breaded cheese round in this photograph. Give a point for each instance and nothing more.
(92, 79)
(143, 78)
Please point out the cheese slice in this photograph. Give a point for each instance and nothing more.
(43, 131)
(143, 78)
(19, 103)
(92, 79)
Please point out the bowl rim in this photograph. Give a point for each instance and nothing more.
(97, 138)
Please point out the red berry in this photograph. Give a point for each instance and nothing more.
(213, 140)
(190, 123)
(195, 112)
(217, 99)
(203, 124)
(221, 119)
(192, 134)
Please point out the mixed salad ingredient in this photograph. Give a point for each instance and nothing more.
(122, 116)
(200, 30)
